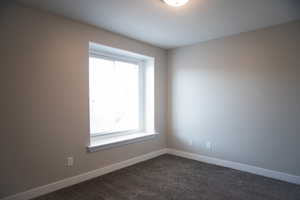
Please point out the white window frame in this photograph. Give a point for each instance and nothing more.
(141, 67)
(146, 130)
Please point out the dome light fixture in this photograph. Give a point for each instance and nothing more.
(176, 3)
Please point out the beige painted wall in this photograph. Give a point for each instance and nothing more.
(241, 93)
(44, 98)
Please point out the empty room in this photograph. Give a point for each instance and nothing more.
(150, 100)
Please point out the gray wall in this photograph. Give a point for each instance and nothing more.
(44, 98)
(241, 93)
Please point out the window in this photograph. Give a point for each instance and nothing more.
(121, 95)
(115, 95)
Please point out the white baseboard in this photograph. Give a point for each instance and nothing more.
(35, 192)
(238, 166)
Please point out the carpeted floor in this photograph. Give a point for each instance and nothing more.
(172, 178)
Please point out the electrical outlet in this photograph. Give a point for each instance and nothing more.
(190, 142)
(70, 161)
(208, 145)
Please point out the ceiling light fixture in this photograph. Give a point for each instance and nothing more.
(176, 3)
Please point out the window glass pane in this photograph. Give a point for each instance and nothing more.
(114, 96)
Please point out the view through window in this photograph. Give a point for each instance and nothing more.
(114, 95)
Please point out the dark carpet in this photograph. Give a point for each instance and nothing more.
(172, 178)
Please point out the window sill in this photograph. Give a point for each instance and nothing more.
(98, 143)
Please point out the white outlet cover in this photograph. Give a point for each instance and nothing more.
(70, 161)
(208, 145)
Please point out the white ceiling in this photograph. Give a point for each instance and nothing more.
(154, 22)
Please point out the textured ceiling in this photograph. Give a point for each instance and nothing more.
(154, 22)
